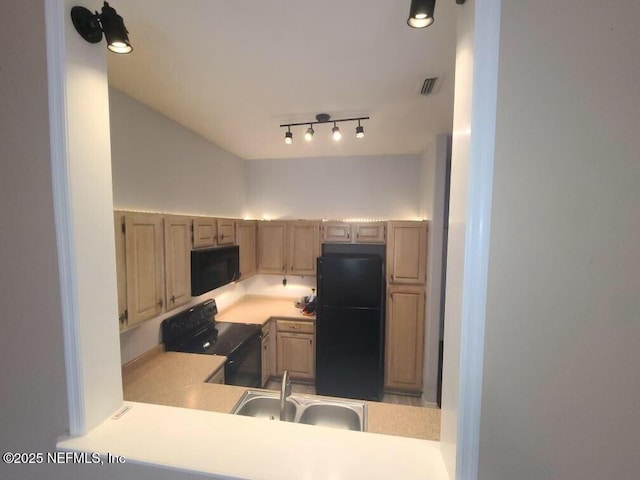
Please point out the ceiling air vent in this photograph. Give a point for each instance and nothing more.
(427, 86)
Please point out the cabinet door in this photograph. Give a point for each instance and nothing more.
(404, 339)
(336, 232)
(226, 231)
(373, 232)
(271, 247)
(266, 358)
(246, 238)
(121, 269)
(204, 232)
(407, 253)
(177, 260)
(294, 352)
(303, 247)
(144, 254)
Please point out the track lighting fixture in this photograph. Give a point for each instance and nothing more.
(421, 13)
(91, 26)
(288, 137)
(336, 134)
(308, 136)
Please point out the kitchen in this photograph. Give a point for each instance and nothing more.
(36, 410)
(146, 336)
(145, 145)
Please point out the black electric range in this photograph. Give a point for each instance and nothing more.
(196, 330)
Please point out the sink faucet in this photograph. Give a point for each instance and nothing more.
(285, 391)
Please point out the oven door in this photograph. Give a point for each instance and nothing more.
(244, 365)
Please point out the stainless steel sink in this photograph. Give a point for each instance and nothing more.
(305, 409)
(331, 415)
(261, 407)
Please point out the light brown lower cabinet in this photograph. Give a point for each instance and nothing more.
(404, 338)
(295, 350)
(266, 353)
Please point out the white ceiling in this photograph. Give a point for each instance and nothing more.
(233, 71)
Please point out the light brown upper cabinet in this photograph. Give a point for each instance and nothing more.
(361, 232)
(371, 232)
(337, 232)
(246, 238)
(272, 239)
(144, 259)
(303, 247)
(209, 232)
(404, 338)
(204, 232)
(407, 253)
(226, 228)
(177, 260)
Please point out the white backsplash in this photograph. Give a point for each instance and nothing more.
(134, 343)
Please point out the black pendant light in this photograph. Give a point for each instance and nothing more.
(421, 13)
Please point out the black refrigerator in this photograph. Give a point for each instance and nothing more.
(350, 326)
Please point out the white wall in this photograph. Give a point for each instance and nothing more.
(561, 386)
(34, 407)
(460, 166)
(433, 169)
(372, 187)
(427, 176)
(161, 166)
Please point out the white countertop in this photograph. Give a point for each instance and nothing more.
(239, 447)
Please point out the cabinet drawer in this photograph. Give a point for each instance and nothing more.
(297, 327)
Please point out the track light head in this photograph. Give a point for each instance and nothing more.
(91, 26)
(335, 132)
(421, 13)
(359, 131)
(308, 135)
(288, 138)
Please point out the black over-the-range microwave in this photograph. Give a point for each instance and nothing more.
(214, 267)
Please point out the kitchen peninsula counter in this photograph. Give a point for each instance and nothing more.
(177, 380)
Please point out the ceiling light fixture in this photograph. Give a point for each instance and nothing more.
(91, 26)
(335, 132)
(324, 118)
(308, 135)
(421, 13)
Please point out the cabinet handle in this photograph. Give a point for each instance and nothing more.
(222, 237)
(392, 277)
(160, 303)
(173, 299)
